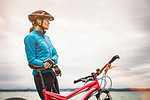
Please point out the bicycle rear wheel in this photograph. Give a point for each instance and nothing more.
(15, 99)
(100, 95)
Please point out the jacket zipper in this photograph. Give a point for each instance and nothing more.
(48, 47)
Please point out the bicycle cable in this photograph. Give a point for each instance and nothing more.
(104, 82)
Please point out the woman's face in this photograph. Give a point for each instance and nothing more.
(46, 23)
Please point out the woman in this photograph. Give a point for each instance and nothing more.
(39, 49)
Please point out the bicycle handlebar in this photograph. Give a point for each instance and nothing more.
(83, 79)
(112, 60)
(76, 81)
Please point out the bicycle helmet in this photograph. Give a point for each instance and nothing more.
(40, 14)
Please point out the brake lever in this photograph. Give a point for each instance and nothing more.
(108, 68)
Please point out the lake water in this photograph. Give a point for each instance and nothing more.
(115, 95)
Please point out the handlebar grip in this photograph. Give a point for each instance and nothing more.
(113, 59)
(82, 79)
(76, 81)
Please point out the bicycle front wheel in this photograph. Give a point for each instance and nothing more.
(100, 95)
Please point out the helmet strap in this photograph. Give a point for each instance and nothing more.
(43, 27)
(43, 30)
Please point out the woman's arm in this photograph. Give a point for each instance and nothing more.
(54, 55)
(30, 42)
(54, 52)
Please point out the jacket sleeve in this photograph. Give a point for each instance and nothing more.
(30, 43)
(54, 55)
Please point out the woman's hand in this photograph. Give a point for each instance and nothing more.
(57, 71)
(49, 63)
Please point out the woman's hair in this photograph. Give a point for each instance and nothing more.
(32, 28)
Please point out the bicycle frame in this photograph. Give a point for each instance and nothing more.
(90, 87)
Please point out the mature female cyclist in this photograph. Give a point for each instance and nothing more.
(39, 49)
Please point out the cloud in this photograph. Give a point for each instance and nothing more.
(86, 35)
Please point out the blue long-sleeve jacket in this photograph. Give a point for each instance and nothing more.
(38, 48)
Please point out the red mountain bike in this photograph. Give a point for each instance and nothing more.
(93, 88)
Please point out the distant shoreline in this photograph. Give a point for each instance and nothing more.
(72, 89)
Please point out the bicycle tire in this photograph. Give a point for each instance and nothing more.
(15, 99)
(100, 95)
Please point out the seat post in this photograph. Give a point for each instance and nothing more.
(43, 84)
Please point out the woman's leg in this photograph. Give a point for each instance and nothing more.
(55, 85)
(38, 85)
(50, 81)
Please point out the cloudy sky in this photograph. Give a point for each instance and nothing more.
(86, 34)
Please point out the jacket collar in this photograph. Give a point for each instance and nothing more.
(39, 32)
